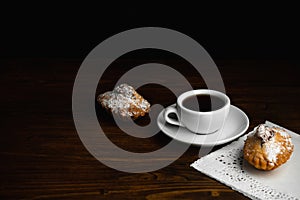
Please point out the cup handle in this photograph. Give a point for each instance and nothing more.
(172, 109)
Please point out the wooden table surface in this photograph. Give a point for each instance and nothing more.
(42, 156)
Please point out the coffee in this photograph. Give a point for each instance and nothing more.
(203, 103)
(191, 102)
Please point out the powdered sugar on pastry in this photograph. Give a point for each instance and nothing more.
(282, 132)
(268, 147)
(124, 101)
(272, 149)
(264, 132)
(272, 146)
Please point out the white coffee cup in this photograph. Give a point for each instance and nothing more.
(198, 121)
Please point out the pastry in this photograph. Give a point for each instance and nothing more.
(268, 147)
(124, 101)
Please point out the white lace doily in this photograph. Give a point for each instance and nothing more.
(227, 166)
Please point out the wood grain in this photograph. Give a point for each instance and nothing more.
(42, 156)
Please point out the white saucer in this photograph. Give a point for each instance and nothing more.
(236, 124)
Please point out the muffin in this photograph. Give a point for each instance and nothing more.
(125, 102)
(268, 147)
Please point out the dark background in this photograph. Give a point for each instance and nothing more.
(252, 31)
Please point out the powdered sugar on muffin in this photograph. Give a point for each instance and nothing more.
(268, 147)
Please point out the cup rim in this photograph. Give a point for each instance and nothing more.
(203, 91)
